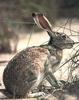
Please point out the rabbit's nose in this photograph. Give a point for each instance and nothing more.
(72, 42)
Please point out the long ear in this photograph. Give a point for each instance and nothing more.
(51, 34)
(41, 14)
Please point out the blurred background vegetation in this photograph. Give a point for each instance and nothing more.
(16, 14)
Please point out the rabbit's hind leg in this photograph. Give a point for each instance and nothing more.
(36, 93)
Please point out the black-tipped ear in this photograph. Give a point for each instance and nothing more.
(33, 14)
(41, 14)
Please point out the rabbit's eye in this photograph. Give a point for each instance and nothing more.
(57, 33)
(64, 36)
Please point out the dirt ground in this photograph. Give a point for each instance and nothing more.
(37, 39)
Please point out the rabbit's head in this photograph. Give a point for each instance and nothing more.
(61, 41)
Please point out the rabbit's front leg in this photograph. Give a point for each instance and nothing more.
(52, 80)
(49, 75)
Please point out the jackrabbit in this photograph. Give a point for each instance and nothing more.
(27, 69)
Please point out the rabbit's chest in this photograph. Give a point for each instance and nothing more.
(54, 60)
(55, 57)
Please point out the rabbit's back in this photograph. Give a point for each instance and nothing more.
(22, 71)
